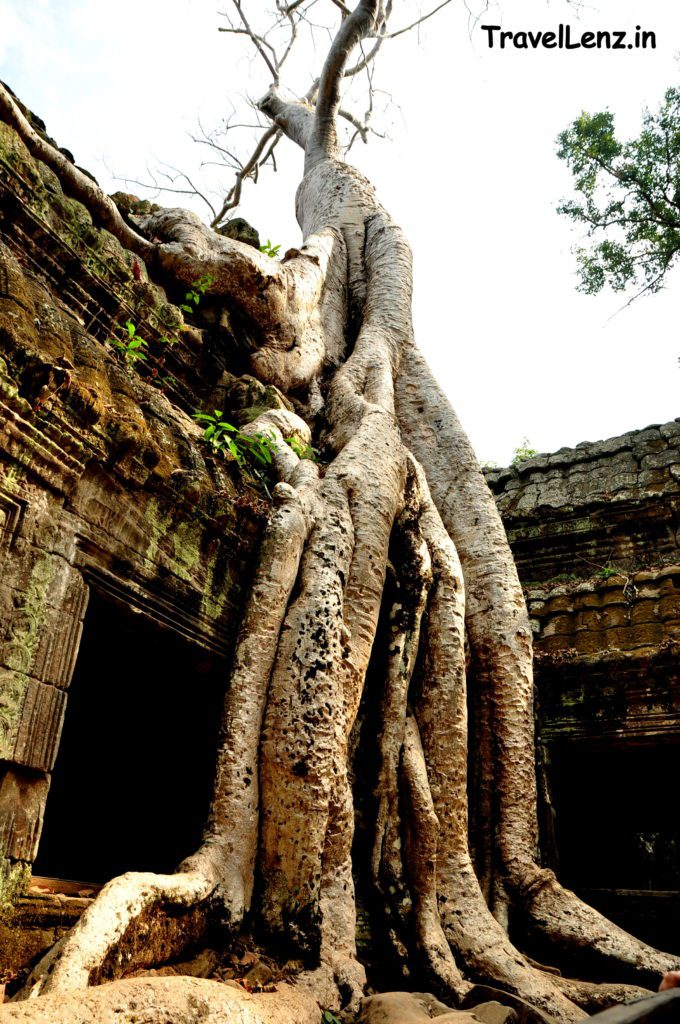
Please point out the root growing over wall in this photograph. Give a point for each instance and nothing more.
(277, 847)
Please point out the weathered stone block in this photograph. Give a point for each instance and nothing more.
(559, 625)
(31, 718)
(670, 430)
(22, 804)
(669, 607)
(42, 630)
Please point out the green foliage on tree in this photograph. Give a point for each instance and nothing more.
(627, 197)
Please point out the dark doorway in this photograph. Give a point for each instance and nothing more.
(617, 823)
(618, 832)
(132, 782)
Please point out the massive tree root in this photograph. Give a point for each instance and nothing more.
(277, 844)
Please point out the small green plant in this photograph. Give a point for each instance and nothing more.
(328, 1017)
(523, 451)
(270, 250)
(196, 293)
(131, 346)
(302, 450)
(251, 452)
(604, 571)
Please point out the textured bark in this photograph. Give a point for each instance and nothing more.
(500, 637)
(73, 960)
(330, 325)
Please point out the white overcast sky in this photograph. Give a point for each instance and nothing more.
(470, 172)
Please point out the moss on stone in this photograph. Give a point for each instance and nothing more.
(15, 876)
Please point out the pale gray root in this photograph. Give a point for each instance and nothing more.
(296, 754)
(411, 581)
(405, 614)
(325, 647)
(230, 841)
(223, 868)
(72, 961)
(496, 616)
(500, 636)
(570, 926)
(361, 405)
(440, 705)
(293, 309)
(593, 997)
(436, 852)
(102, 208)
(336, 898)
(174, 1000)
(421, 852)
(481, 792)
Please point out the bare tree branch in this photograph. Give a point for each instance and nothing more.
(234, 195)
(293, 7)
(257, 40)
(273, 44)
(174, 176)
(414, 24)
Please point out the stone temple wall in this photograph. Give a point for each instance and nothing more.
(596, 535)
(120, 532)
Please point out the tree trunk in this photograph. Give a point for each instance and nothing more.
(277, 847)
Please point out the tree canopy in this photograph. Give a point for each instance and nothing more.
(627, 196)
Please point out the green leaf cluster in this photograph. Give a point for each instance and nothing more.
(627, 196)
(252, 452)
(131, 346)
(523, 451)
(196, 293)
(225, 437)
(302, 450)
(270, 250)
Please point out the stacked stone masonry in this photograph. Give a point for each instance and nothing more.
(595, 531)
(109, 497)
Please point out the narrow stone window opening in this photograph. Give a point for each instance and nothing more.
(133, 777)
